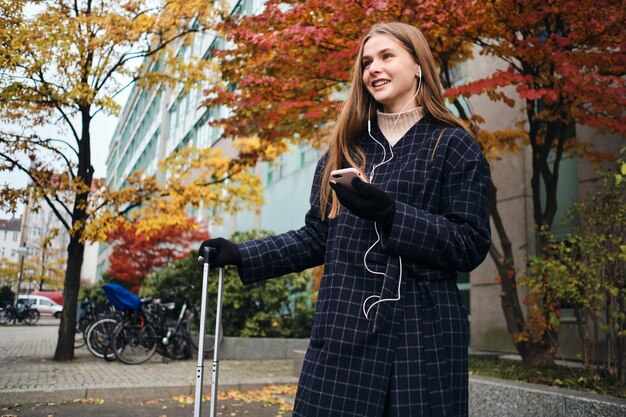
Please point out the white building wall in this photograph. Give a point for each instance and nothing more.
(10, 237)
(90, 264)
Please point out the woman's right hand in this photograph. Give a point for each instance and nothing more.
(222, 252)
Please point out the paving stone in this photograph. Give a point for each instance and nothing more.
(27, 372)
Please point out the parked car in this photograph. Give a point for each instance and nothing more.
(56, 296)
(44, 305)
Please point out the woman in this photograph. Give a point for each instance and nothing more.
(390, 333)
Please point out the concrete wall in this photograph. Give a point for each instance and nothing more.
(501, 398)
(251, 348)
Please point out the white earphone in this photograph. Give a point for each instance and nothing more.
(366, 310)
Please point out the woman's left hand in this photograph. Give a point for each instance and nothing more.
(367, 201)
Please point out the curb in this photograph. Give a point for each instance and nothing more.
(503, 398)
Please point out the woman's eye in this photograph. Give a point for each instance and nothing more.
(385, 56)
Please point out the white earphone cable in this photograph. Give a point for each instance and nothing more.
(366, 310)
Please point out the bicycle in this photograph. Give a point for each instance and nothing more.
(136, 340)
(87, 316)
(19, 313)
(99, 334)
(192, 322)
(193, 330)
(122, 305)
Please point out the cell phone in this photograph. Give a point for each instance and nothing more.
(345, 176)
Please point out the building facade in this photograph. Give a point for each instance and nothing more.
(155, 123)
(10, 237)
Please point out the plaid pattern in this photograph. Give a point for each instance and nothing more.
(410, 357)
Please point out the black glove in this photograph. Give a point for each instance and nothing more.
(222, 252)
(367, 201)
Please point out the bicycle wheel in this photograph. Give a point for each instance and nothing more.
(79, 339)
(99, 337)
(9, 315)
(31, 316)
(193, 331)
(80, 334)
(4, 316)
(134, 342)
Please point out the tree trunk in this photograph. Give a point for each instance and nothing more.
(503, 260)
(76, 249)
(65, 344)
(541, 353)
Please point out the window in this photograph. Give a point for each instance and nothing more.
(14, 236)
(173, 118)
(307, 154)
(238, 9)
(275, 170)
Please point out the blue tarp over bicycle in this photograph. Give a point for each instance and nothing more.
(120, 297)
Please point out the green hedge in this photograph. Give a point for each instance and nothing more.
(280, 307)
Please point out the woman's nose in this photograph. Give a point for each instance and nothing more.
(374, 68)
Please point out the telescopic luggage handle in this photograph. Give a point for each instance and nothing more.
(218, 321)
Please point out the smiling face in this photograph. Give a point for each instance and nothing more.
(389, 73)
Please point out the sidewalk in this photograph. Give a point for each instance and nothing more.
(28, 374)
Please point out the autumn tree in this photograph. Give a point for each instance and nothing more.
(8, 272)
(63, 62)
(564, 66)
(135, 255)
(291, 64)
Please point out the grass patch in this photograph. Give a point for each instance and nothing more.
(558, 376)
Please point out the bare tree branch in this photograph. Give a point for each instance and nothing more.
(38, 184)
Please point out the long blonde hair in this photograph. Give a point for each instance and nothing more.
(353, 117)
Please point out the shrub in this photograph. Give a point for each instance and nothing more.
(6, 295)
(588, 271)
(279, 307)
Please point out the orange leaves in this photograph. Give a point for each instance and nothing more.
(199, 178)
(488, 85)
(67, 64)
(542, 93)
(269, 395)
(136, 254)
(498, 142)
(558, 53)
(287, 64)
(291, 65)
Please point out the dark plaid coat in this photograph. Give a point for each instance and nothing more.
(410, 357)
